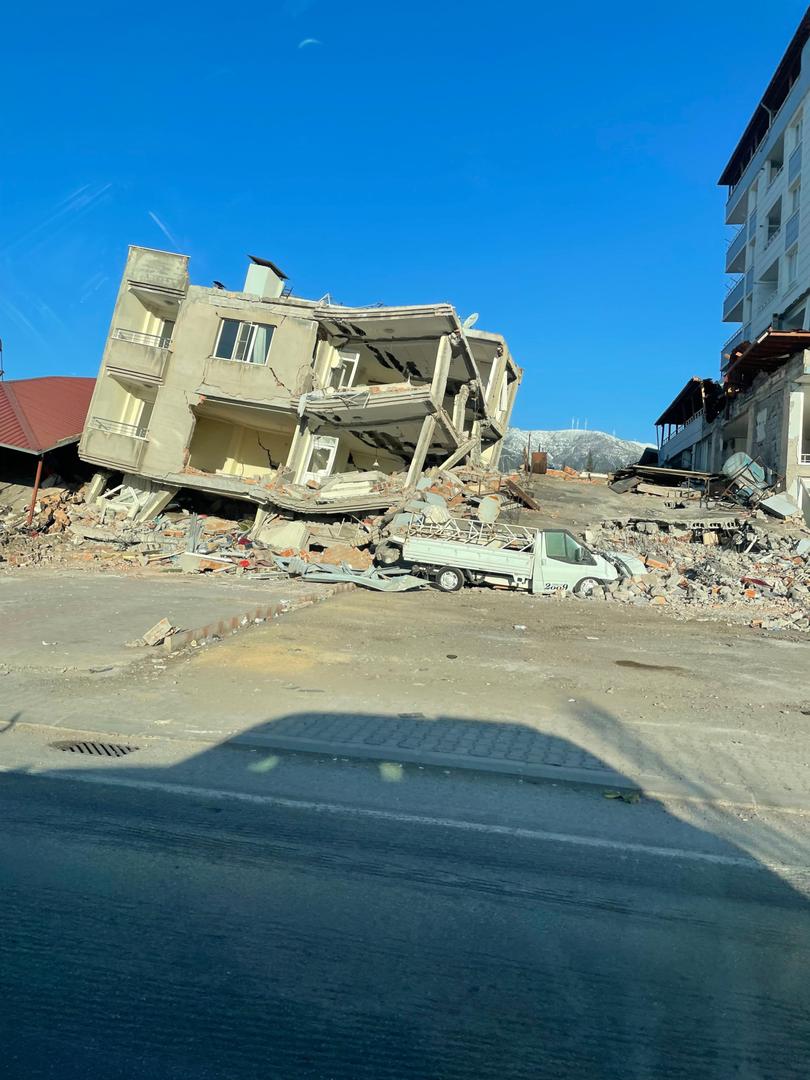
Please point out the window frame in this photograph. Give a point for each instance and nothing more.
(250, 344)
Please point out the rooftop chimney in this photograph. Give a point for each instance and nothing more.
(264, 279)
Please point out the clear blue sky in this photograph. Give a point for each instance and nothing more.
(554, 170)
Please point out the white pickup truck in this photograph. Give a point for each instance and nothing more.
(456, 552)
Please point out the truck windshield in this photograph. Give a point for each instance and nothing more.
(561, 545)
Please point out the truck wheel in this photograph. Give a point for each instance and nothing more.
(587, 586)
(448, 579)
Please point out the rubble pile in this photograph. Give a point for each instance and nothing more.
(729, 568)
(66, 530)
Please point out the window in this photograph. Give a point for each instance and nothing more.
(792, 266)
(564, 548)
(321, 457)
(342, 374)
(249, 343)
(795, 198)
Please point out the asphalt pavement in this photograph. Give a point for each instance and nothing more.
(239, 915)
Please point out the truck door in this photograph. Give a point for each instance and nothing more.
(561, 566)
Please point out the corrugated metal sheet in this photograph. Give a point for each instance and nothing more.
(38, 414)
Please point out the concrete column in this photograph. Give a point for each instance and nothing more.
(96, 487)
(295, 451)
(444, 354)
(792, 441)
(156, 503)
(750, 430)
(459, 406)
(420, 451)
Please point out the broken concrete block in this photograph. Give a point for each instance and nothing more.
(437, 514)
(159, 632)
(284, 534)
(489, 509)
(432, 498)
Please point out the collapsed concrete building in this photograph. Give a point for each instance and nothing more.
(292, 404)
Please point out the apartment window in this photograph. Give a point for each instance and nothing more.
(249, 343)
(792, 265)
(343, 372)
(795, 199)
(795, 133)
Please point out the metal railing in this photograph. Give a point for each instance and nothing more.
(157, 341)
(115, 427)
(772, 235)
(736, 245)
(733, 341)
(795, 164)
(776, 174)
(733, 297)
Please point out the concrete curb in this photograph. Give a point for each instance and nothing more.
(605, 779)
(230, 625)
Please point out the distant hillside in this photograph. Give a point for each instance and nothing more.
(571, 448)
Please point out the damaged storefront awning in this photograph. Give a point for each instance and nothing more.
(770, 350)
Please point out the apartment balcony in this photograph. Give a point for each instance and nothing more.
(737, 338)
(138, 356)
(733, 303)
(795, 164)
(773, 232)
(792, 230)
(735, 252)
(109, 442)
(737, 203)
(369, 405)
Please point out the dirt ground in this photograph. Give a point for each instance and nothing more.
(700, 703)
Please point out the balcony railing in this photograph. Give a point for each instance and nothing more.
(772, 235)
(776, 173)
(792, 230)
(736, 339)
(733, 297)
(115, 427)
(736, 246)
(795, 164)
(157, 341)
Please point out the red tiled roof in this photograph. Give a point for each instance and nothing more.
(39, 414)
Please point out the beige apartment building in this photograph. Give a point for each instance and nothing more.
(287, 403)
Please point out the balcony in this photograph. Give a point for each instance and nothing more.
(112, 443)
(138, 356)
(792, 230)
(736, 204)
(733, 303)
(737, 338)
(735, 253)
(369, 405)
(795, 164)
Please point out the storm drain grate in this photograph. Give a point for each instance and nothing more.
(100, 749)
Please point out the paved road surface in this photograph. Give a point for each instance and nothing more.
(186, 937)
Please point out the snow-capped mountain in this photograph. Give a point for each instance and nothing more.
(571, 448)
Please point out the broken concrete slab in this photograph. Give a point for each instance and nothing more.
(281, 535)
(781, 506)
